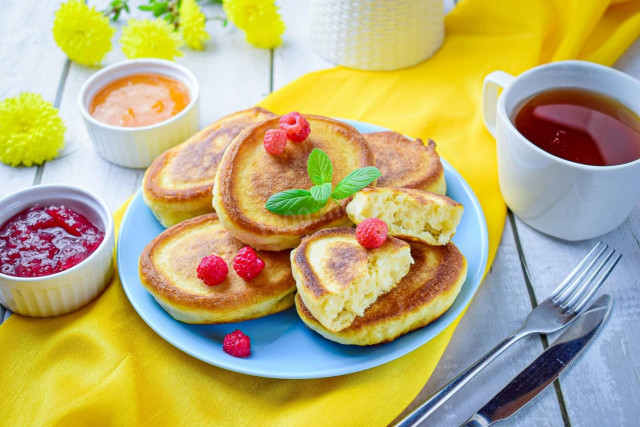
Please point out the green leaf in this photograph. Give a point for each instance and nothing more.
(319, 167)
(293, 202)
(321, 193)
(157, 7)
(355, 181)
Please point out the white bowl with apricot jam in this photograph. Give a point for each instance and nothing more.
(135, 110)
(56, 249)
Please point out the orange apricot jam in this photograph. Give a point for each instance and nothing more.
(139, 100)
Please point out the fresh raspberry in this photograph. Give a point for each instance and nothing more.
(372, 233)
(237, 344)
(247, 264)
(296, 126)
(275, 141)
(212, 270)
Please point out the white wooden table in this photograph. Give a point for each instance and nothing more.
(603, 388)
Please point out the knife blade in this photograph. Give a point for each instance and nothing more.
(546, 368)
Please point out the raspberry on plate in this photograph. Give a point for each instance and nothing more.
(275, 141)
(212, 270)
(247, 264)
(296, 126)
(372, 233)
(237, 344)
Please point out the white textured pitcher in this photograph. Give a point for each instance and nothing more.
(376, 34)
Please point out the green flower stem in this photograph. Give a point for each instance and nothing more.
(169, 10)
(223, 19)
(116, 8)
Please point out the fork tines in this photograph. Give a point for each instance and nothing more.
(580, 285)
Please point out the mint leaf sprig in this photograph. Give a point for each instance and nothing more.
(320, 170)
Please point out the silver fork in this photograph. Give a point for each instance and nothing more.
(551, 315)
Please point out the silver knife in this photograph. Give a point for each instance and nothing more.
(546, 368)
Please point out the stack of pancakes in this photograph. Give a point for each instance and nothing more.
(225, 167)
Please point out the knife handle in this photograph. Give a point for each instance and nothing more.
(428, 407)
(477, 420)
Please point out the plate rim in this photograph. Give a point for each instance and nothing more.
(233, 365)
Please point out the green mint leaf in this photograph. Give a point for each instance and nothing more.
(355, 181)
(321, 193)
(319, 167)
(293, 202)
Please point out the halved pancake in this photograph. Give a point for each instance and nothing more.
(177, 185)
(248, 175)
(407, 163)
(432, 285)
(410, 214)
(168, 271)
(337, 278)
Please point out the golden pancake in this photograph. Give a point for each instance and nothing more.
(337, 278)
(410, 214)
(407, 163)
(423, 295)
(177, 185)
(168, 271)
(247, 176)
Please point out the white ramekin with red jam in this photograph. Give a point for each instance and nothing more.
(56, 249)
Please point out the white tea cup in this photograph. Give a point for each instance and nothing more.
(564, 199)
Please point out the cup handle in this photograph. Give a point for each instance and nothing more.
(493, 82)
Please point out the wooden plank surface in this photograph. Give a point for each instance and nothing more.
(605, 384)
(30, 62)
(603, 388)
(295, 57)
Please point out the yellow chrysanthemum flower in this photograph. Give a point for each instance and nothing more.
(31, 131)
(144, 38)
(241, 12)
(192, 22)
(266, 32)
(83, 33)
(259, 19)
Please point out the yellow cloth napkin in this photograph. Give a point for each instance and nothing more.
(102, 365)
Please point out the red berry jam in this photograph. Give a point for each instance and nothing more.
(40, 241)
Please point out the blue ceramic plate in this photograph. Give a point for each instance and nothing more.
(281, 346)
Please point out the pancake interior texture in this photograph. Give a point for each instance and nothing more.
(168, 271)
(432, 285)
(178, 184)
(407, 163)
(410, 214)
(248, 176)
(337, 278)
